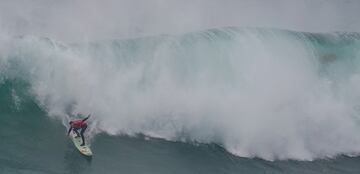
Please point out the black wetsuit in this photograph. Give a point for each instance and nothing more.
(83, 128)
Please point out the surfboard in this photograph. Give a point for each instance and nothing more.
(85, 150)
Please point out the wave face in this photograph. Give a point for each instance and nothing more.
(271, 94)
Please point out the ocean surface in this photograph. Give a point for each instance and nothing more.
(225, 100)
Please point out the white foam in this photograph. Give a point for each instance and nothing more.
(256, 93)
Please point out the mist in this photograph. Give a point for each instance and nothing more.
(81, 20)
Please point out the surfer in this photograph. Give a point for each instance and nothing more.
(79, 124)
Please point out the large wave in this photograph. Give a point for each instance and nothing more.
(264, 93)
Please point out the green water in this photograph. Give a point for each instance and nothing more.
(219, 101)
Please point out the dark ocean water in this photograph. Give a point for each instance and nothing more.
(184, 104)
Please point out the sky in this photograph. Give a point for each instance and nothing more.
(103, 19)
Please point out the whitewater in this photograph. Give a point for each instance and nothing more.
(265, 93)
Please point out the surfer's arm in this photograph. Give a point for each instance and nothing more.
(69, 131)
(86, 118)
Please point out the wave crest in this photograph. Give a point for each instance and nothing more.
(264, 93)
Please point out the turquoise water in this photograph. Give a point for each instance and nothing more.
(225, 100)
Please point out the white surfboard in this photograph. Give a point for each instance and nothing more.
(85, 150)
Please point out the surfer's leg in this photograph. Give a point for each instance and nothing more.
(82, 134)
(76, 131)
